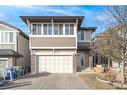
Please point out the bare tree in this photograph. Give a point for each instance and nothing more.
(113, 43)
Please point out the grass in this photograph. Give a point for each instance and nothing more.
(92, 83)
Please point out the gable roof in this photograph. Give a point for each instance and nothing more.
(15, 28)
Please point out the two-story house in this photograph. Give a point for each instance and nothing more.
(14, 47)
(58, 44)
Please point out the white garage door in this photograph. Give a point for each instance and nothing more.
(56, 64)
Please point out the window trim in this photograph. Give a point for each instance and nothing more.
(79, 40)
(42, 34)
(36, 33)
(8, 42)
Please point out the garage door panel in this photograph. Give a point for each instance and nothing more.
(56, 64)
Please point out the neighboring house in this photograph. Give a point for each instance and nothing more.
(98, 58)
(58, 44)
(14, 47)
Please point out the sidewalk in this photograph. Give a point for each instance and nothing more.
(4, 82)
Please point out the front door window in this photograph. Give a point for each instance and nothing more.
(82, 61)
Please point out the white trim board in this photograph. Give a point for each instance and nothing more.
(53, 54)
(53, 47)
(52, 36)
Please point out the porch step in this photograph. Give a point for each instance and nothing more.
(87, 70)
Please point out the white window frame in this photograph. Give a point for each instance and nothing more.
(8, 38)
(32, 28)
(69, 29)
(42, 34)
(84, 37)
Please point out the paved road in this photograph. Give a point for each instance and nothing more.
(48, 81)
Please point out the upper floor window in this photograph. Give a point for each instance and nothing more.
(84, 36)
(69, 29)
(7, 37)
(47, 29)
(36, 30)
(58, 29)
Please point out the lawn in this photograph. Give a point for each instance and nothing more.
(90, 80)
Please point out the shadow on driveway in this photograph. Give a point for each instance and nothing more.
(35, 75)
(18, 83)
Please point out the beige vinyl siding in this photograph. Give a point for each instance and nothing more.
(7, 46)
(53, 41)
(23, 48)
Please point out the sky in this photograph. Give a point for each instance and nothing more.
(94, 15)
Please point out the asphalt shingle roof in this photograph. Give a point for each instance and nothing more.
(9, 53)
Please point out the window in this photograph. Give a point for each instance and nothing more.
(58, 29)
(87, 36)
(69, 29)
(11, 37)
(47, 29)
(2, 37)
(84, 36)
(81, 36)
(36, 29)
(7, 37)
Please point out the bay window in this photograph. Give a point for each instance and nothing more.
(84, 36)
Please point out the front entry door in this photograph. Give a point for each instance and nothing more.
(82, 60)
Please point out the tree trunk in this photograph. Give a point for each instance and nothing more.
(122, 70)
(108, 63)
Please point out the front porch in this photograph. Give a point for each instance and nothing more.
(8, 58)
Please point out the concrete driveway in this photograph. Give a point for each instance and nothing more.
(48, 81)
